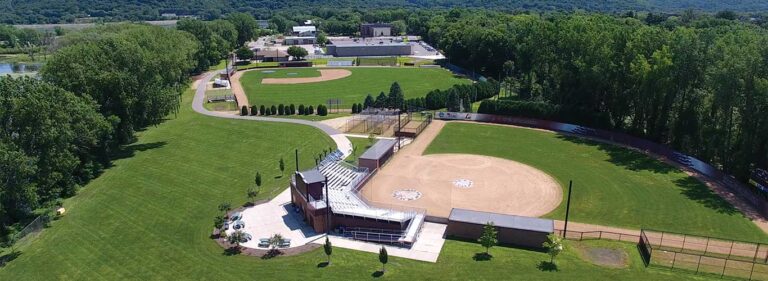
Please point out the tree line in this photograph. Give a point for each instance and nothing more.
(63, 129)
(700, 86)
(49, 11)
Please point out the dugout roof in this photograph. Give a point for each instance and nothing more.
(501, 220)
(378, 149)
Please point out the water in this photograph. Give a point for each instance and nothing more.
(19, 68)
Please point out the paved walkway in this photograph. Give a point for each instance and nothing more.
(343, 144)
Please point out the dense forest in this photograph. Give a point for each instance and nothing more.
(59, 11)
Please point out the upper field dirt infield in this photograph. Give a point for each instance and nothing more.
(325, 75)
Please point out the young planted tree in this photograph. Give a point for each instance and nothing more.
(257, 180)
(489, 237)
(291, 109)
(254, 110)
(273, 110)
(252, 193)
(310, 110)
(368, 102)
(218, 222)
(224, 207)
(236, 238)
(275, 240)
(301, 109)
(282, 166)
(328, 248)
(383, 258)
(554, 246)
(262, 110)
(244, 110)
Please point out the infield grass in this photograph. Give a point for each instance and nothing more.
(612, 185)
(415, 82)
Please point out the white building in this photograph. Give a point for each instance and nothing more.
(304, 31)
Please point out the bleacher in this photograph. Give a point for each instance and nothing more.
(343, 184)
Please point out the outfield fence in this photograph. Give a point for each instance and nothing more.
(704, 255)
(597, 235)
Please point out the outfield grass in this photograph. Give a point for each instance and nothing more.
(415, 82)
(612, 185)
(149, 218)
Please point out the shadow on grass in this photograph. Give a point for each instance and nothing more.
(377, 274)
(482, 256)
(624, 157)
(130, 150)
(322, 264)
(271, 254)
(231, 251)
(547, 266)
(6, 258)
(697, 191)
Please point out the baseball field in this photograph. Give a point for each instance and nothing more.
(150, 216)
(613, 186)
(351, 85)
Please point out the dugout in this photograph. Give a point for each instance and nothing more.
(377, 155)
(514, 230)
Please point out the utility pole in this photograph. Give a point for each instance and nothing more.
(297, 160)
(567, 208)
(327, 210)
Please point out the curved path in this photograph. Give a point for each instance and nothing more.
(343, 144)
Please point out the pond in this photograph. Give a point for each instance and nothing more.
(19, 68)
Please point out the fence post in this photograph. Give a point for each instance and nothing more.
(751, 271)
(684, 237)
(698, 264)
(674, 258)
(754, 258)
(730, 250)
(724, 265)
(600, 236)
(661, 244)
(706, 247)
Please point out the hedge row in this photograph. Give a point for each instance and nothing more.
(450, 98)
(281, 109)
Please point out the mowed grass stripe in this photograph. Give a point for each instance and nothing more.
(150, 216)
(415, 82)
(613, 186)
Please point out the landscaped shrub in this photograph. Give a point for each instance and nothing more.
(301, 109)
(254, 110)
(273, 110)
(310, 110)
(354, 108)
(292, 109)
(281, 109)
(262, 110)
(322, 110)
(244, 110)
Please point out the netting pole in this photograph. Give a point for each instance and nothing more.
(567, 209)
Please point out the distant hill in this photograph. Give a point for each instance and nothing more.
(60, 11)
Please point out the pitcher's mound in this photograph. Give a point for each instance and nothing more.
(325, 75)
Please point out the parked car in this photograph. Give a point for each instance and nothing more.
(246, 237)
(238, 225)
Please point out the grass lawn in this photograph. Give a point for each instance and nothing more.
(149, 218)
(612, 185)
(415, 82)
(360, 145)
